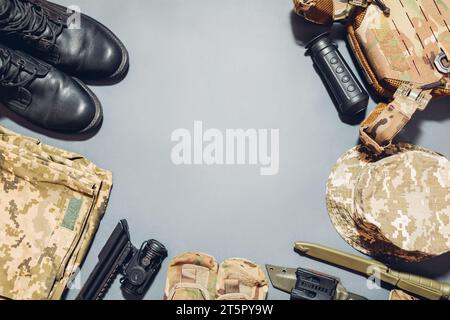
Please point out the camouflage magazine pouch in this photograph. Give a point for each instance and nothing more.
(191, 276)
(198, 276)
(402, 47)
(241, 279)
(51, 204)
(322, 12)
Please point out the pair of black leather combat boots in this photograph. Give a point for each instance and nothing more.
(45, 61)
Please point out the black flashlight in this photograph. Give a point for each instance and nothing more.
(349, 95)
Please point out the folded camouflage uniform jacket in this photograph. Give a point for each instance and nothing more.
(51, 204)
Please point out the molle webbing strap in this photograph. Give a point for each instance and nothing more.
(387, 120)
(405, 46)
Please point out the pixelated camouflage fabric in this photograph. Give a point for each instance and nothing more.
(197, 276)
(51, 204)
(241, 279)
(191, 276)
(407, 197)
(396, 205)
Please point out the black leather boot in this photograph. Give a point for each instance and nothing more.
(90, 51)
(46, 96)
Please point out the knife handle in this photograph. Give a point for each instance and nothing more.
(424, 287)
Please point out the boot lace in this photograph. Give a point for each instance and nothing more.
(11, 74)
(32, 22)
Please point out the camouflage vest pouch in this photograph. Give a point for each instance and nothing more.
(404, 56)
(402, 47)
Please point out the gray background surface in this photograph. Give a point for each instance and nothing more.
(231, 64)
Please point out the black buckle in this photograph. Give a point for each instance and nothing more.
(312, 285)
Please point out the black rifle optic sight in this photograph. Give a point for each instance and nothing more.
(138, 267)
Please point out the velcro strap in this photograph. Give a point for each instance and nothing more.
(195, 274)
(231, 286)
(234, 297)
(359, 3)
(387, 120)
(188, 275)
(183, 291)
(193, 284)
(342, 9)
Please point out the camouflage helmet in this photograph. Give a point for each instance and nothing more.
(396, 205)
